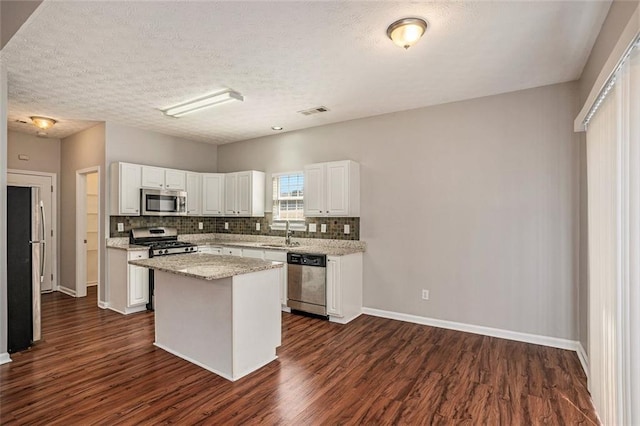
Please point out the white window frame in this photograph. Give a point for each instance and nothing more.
(281, 224)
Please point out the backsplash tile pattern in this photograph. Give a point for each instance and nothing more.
(335, 227)
(237, 225)
(185, 225)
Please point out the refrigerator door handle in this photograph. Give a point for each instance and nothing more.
(43, 257)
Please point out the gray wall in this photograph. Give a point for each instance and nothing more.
(44, 153)
(155, 149)
(476, 201)
(12, 15)
(82, 150)
(619, 14)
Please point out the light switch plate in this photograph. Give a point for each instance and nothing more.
(312, 227)
(257, 226)
(120, 227)
(200, 225)
(323, 227)
(226, 225)
(347, 229)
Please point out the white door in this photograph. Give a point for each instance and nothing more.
(230, 197)
(194, 194)
(337, 198)
(314, 190)
(212, 194)
(243, 194)
(45, 183)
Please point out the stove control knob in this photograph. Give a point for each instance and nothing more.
(191, 249)
(186, 249)
(166, 251)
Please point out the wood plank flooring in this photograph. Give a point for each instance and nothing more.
(98, 367)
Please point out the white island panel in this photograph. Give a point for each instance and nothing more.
(229, 326)
(257, 325)
(193, 320)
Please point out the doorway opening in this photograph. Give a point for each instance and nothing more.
(88, 232)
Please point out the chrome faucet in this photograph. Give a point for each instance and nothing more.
(287, 238)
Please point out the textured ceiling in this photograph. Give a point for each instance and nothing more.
(86, 61)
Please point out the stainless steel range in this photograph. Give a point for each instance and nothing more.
(162, 241)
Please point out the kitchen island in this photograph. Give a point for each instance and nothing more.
(219, 312)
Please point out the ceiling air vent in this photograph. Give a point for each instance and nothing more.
(315, 110)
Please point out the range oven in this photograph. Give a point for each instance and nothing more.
(162, 241)
(156, 202)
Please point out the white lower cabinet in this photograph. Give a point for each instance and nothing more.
(138, 283)
(232, 251)
(128, 284)
(253, 253)
(344, 287)
(280, 256)
(210, 249)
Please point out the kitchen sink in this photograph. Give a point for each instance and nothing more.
(279, 245)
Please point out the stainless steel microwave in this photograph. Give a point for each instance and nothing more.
(155, 202)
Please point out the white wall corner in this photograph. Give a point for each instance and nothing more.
(4, 358)
(535, 339)
(584, 359)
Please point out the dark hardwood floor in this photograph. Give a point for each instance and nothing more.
(98, 367)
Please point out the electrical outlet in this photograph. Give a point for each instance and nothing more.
(226, 225)
(120, 227)
(323, 227)
(425, 294)
(312, 227)
(347, 229)
(200, 225)
(257, 226)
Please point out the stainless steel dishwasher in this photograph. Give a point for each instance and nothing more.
(307, 283)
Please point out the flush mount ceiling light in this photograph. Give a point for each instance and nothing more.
(276, 128)
(202, 103)
(407, 31)
(43, 123)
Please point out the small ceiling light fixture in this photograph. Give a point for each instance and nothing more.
(43, 123)
(276, 128)
(202, 103)
(407, 31)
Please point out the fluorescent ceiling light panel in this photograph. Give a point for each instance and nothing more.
(202, 103)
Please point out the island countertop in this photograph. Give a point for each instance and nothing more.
(206, 266)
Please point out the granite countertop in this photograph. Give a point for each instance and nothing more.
(206, 266)
(306, 245)
(123, 244)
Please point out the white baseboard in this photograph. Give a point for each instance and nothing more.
(67, 291)
(535, 339)
(5, 358)
(103, 305)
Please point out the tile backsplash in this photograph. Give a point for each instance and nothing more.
(238, 225)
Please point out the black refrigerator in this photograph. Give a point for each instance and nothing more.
(25, 265)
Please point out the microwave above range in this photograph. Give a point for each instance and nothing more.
(155, 202)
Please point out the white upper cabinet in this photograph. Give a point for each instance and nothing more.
(314, 185)
(160, 178)
(194, 194)
(244, 193)
(332, 189)
(126, 180)
(175, 179)
(213, 194)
